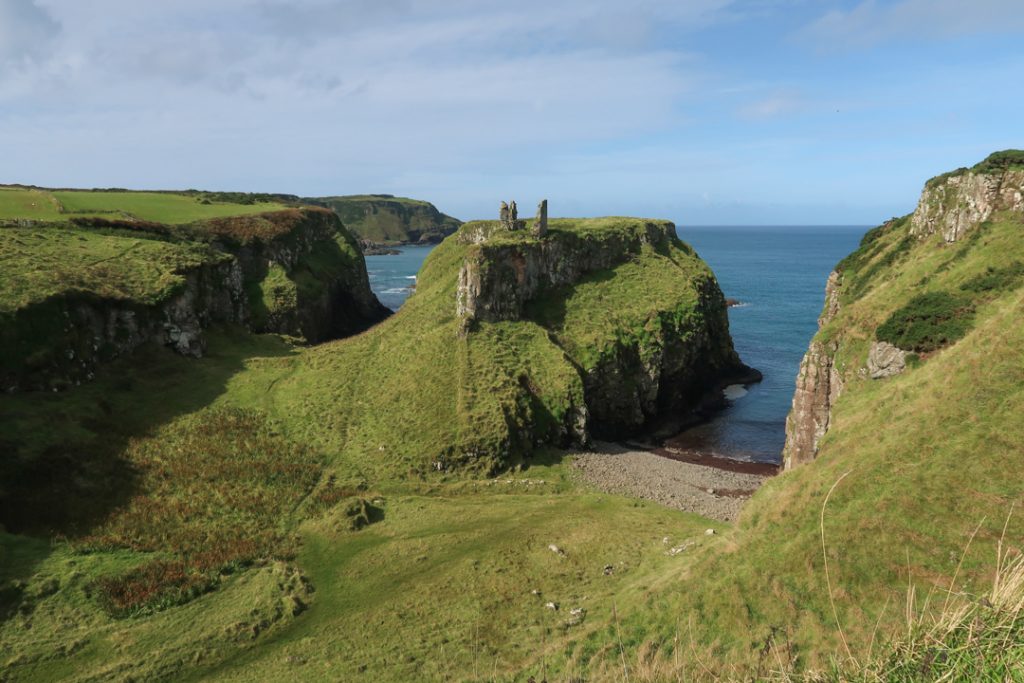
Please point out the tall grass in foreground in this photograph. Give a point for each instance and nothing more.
(952, 636)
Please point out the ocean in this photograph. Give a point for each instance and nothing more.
(777, 273)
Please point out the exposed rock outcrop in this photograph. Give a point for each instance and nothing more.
(886, 360)
(497, 280)
(818, 385)
(669, 366)
(62, 340)
(319, 291)
(957, 204)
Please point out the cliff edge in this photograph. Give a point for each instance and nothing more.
(913, 288)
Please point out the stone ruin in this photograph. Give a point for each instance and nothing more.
(509, 217)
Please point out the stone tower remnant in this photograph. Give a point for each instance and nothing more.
(508, 216)
(540, 224)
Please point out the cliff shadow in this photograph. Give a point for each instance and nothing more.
(548, 309)
(63, 468)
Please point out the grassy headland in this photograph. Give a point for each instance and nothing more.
(385, 219)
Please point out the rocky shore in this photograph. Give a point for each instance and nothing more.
(688, 481)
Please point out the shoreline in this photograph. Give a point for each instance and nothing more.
(694, 482)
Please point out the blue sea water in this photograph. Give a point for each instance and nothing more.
(393, 277)
(778, 273)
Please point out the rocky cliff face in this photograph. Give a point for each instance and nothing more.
(294, 272)
(497, 280)
(818, 385)
(304, 273)
(956, 204)
(61, 341)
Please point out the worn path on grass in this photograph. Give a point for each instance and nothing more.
(672, 478)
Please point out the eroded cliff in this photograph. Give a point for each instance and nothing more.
(84, 294)
(910, 291)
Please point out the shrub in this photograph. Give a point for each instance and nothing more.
(996, 279)
(216, 491)
(929, 322)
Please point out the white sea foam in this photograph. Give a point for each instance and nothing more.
(734, 391)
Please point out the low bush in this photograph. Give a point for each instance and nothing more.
(215, 493)
(928, 322)
(996, 279)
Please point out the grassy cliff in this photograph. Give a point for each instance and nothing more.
(385, 219)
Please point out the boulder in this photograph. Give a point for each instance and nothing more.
(886, 360)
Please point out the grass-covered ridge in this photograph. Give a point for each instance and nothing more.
(997, 162)
(39, 204)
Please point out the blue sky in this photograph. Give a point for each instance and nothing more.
(701, 111)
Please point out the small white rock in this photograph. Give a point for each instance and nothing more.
(709, 532)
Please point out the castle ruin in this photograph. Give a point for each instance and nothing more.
(508, 215)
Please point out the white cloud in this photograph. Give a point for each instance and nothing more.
(25, 30)
(872, 22)
(359, 91)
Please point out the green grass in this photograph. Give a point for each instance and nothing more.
(159, 207)
(404, 573)
(929, 456)
(29, 204)
(997, 162)
(39, 263)
(176, 487)
(387, 219)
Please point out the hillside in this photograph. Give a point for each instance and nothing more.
(21, 203)
(382, 219)
(206, 507)
(922, 443)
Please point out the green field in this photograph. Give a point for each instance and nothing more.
(37, 263)
(18, 203)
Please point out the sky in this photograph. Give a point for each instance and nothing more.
(706, 112)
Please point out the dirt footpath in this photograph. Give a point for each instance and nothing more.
(672, 478)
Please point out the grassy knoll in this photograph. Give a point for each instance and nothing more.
(412, 395)
(159, 207)
(373, 565)
(193, 485)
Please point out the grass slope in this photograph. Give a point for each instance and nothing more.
(38, 263)
(228, 493)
